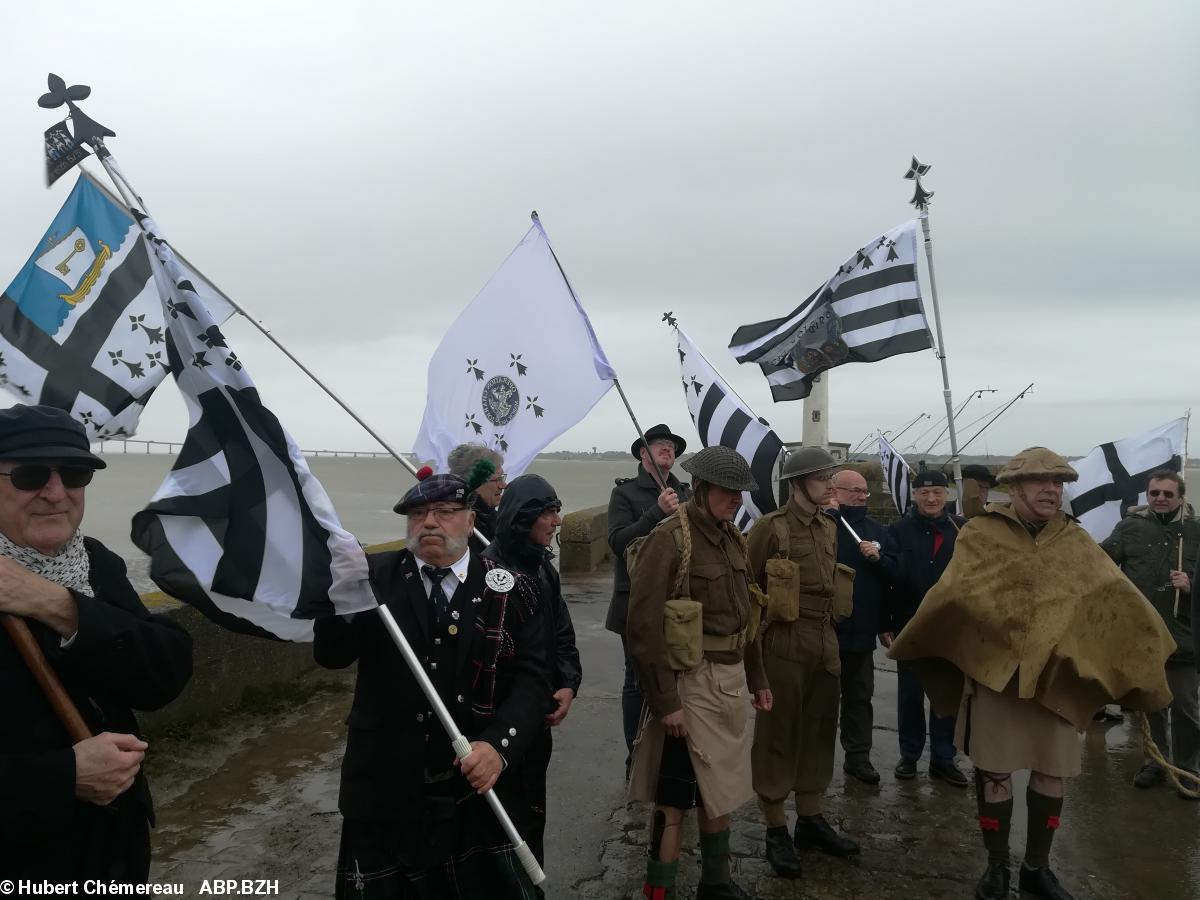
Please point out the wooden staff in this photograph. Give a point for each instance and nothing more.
(46, 678)
(1180, 568)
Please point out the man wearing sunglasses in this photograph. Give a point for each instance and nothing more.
(415, 821)
(72, 811)
(1146, 545)
(528, 517)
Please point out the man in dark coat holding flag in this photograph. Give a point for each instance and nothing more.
(416, 825)
(73, 810)
(525, 526)
(638, 504)
(915, 554)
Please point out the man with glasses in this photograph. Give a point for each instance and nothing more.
(916, 551)
(638, 504)
(528, 518)
(483, 470)
(1029, 629)
(793, 558)
(857, 634)
(1146, 545)
(73, 810)
(415, 824)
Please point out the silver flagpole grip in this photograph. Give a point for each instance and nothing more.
(462, 747)
(853, 533)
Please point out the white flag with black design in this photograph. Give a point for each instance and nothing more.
(518, 367)
(721, 419)
(1113, 477)
(81, 325)
(895, 475)
(240, 528)
(868, 310)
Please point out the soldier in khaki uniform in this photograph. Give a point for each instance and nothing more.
(793, 557)
(692, 631)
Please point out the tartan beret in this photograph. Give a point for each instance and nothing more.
(433, 489)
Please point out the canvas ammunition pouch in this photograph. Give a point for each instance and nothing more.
(683, 632)
(783, 591)
(843, 592)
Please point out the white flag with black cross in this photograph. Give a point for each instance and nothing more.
(519, 366)
(1113, 477)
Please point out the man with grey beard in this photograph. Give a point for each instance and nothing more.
(415, 821)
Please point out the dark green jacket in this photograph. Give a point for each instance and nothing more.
(1147, 551)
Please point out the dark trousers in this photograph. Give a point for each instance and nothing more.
(534, 777)
(631, 700)
(858, 687)
(910, 715)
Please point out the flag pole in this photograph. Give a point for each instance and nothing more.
(459, 742)
(920, 200)
(658, 472)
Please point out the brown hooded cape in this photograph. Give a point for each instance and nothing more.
(1053, 609)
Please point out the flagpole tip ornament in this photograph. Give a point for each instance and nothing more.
(722, 466)
(86, 130)
(806, 461)
(921, 197)
(1036, 462)
(669, 318)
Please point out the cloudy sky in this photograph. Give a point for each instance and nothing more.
(352, 173)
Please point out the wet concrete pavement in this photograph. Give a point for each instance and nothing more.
(260, 801)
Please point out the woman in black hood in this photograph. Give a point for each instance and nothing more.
(525, 526)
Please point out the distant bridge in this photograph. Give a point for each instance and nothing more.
(147, 447)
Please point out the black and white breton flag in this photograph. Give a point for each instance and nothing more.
(869, 310)
(895, 475)
(722, 419)
(81, 325)
(240, 528)
(1113, 477)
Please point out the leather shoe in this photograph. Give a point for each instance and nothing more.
(906, 769)
(1148, 776)
(781, 854)
(814, 831)
(1042, 884)
(726, 890)
(948, 772)
(862, 770)
(994, 883)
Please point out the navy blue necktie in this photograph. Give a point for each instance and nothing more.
(441, 603)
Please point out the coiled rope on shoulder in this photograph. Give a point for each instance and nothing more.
(685, 558)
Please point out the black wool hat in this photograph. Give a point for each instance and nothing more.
(44, 432)
(980, 473)
(659, 432)
(930, 478)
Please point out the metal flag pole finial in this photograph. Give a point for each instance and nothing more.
(921, 197)
(86, 130)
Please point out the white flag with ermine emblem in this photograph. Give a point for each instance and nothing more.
(518, 367)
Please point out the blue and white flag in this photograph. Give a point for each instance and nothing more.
(82, 324)
(240, 528)
(518, 367)
(722, 419)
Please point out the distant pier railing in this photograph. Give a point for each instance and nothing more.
(146, 447)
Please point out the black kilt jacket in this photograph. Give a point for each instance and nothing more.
(496, 693)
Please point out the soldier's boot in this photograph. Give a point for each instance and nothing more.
(814, 831)
(1036, 877)
(729, 890)
(995, 821)
(781, 854)
(994, 883)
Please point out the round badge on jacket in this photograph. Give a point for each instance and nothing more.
(500, 580)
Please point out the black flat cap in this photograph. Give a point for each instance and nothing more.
(980, 473)
(930, 478)
(44, 432)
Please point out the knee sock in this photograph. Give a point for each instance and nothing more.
(714, 857)
(1043, 822)
(660, 880)
(995, 822)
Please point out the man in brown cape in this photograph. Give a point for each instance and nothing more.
(1031, 629)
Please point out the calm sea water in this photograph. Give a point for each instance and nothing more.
(363, 491)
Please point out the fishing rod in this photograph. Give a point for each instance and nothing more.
(976, 393)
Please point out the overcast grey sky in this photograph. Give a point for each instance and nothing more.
(352, 173)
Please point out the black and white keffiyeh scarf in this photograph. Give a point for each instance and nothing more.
(69, 568)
